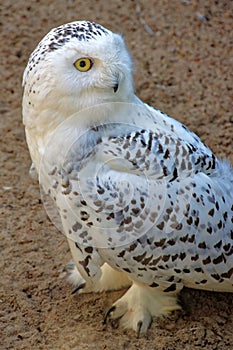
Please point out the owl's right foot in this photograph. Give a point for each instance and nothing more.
(136, 308)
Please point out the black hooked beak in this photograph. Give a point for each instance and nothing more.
(115, 87)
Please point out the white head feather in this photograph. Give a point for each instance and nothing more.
(54, 89)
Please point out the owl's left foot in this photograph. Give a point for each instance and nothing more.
(110, 280)
(136, 308)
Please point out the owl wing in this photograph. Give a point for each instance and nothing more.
(116, 183)
(111, 174)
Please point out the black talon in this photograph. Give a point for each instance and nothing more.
(139, 327)
(108, 312)
(81, 286)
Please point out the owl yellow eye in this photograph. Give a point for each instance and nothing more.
(83, 64)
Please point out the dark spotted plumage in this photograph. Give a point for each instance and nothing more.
(162, 222)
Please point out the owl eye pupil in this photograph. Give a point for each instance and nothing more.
(82, 64)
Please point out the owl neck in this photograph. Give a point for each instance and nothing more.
(41, 119)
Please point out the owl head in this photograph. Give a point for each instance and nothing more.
(76, 65)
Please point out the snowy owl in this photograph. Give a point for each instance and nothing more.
(143, 202)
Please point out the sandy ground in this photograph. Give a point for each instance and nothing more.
(183, 66)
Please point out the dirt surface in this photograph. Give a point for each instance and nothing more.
(183, 66)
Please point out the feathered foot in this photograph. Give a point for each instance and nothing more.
(110, 280)
(136, 308)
